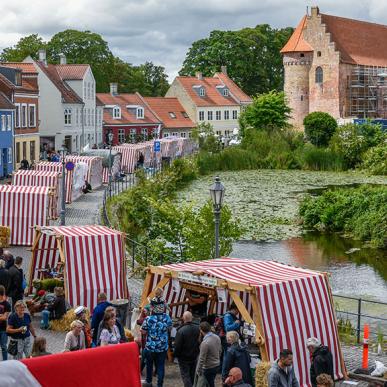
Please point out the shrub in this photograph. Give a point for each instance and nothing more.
(375, 160)
(319, 128)
(319, 159)
(351, 141)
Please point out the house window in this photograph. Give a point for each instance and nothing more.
(132, 135)
(226, 114)
(32, 151)
(209, 115)
(225, 92)
(9, 155)
(31, 116)
(227, 133)
(165, 134)
(218, 115)
(202, 92)
(189, 134)
(235, 114)
(183, 134)
(24, 116)
(3, 122)
(175, 134)
(144, 133)
(67, 116)
(302, 98)
(18, 152)
(172, 114)
(319, 75)
(9, 122)
(140, 113)
(302, 55)
(318, 53)
(88, 90)
(116, 112)
(24, 150)
(218, 132)
(201, 115)
(184, 114)
(17, 115)
(121, 136)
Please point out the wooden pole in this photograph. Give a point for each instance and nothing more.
(164, 281)
(241, 306)
(60, 244)
(146, 289)
(259, 332)
(38, 235)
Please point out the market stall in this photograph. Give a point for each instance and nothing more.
(131, 153)
(93, 260)
(281, 305)
(41, 179)
(21, 208)
(94, 168)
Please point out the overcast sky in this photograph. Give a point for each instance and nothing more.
(161, 31)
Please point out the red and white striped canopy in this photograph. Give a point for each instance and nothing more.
(116, 168)
(94, 262)
(41, 179)
(94, 171)
(295, 304)
(22, 208)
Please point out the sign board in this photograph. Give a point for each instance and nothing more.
(221, 293)
(70, 165)
(249, 330)
(198, 279)
(157, 146)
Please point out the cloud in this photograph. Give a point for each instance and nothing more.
(161, 31)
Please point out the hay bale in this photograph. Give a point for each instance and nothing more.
(261, 374)
(63, 325)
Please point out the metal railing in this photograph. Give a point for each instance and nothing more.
(359, 317)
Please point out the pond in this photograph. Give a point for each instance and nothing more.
(266, 203)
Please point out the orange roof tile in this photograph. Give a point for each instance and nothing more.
(162, 106)
(296, 43)
(212, 95)
(127, 116)
(72, 71)
(235, 90)
(25, 67)
(359, 42)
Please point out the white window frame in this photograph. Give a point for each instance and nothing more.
(144, 132)
(165, 134)
(183, 134)
(235, 114)
(225, 92)
(33, 124)
(9, 122)
(172, 115)
(68, 116)
(133, 134)
(17, 115)
(3, 122)
(121, 135)
(175, 134)
(201, 115)
(218, 115)
(116, 112)
(202, 92)
(226, 114)
(9, 155)
(24, 115)
(140, 113)
(189, 134)
(209, 115)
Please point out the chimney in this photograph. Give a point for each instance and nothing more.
(62, 59)
(42, 56)
(113, 88)
(199, 75)
(314, 11)
(223, 69)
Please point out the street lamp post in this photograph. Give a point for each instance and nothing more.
(110, 138)
(63, 201)
(217, 191)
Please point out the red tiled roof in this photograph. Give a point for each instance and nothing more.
(68, 94)
(25, 67)
(235, 90)
(127, 117)
(359, 42)
(5, 103)
(212, 96)
(296, 43)
(72, 71)
(29, 85)
(162, 106)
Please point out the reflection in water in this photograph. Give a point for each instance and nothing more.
(362, 273)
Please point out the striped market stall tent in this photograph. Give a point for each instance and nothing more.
(41, 179)
(116, 168)
(94, 168)
(22, 208)
(93, 258)
(282, 305)
(131, 153)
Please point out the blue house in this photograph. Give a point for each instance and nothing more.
(6, 135)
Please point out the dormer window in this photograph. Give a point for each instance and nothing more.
(172, 114)
(185, 115)
(116, 112)
(140, 112)
(202, 92)
(225, 92)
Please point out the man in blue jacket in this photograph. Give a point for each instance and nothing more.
(230, 320)
(98, 313)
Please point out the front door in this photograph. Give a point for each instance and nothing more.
(4, 161)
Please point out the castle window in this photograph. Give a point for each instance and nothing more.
(302, 98)
(302, 55)
(318, 53)
(319, 75)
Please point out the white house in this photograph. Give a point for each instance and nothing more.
(68, 111)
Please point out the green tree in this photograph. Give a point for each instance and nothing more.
(267, 112)
(252, 57)
(319, 128)
(156, 80)
(26, 46)
(205, 135)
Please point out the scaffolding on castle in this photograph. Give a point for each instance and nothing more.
(368, 92)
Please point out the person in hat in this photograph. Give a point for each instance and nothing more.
(157, 327)
(80, 314)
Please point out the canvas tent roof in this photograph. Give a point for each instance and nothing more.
(94, 259)
(287, 304)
